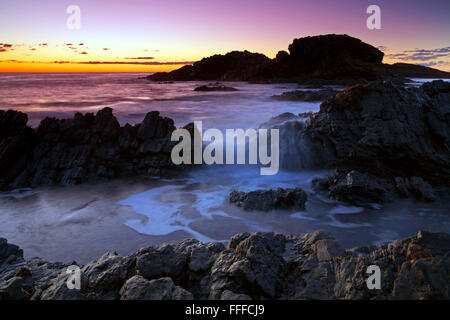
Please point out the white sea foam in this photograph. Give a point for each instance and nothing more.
(19, 193)
(340, 209)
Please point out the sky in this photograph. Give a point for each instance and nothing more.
(162, 35)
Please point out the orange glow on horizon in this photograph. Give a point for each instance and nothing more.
(74, 67)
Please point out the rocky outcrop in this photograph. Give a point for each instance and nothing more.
(306, 95)
(381, 129)
(329, 56)
(266, 200)
(353, 187)
(233, 66)
(215, 87)
(83, 149)
(325, 59)
(252, 266)
(408, 70)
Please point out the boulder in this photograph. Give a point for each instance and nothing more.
(306, 95)
(139, 288)
(215, 87)
(266, 200)
(353, 187)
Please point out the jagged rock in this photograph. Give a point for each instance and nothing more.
(309, 96)
(139, 288)
(257, 265)
(215, 87)
(415, 186)
(354, 187)
(252, 265)
(265, 200)
(83, 149)
(12, 289)
(233, 66)
(230, 295)
(384, 130)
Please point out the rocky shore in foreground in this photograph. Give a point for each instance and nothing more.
(251, 266)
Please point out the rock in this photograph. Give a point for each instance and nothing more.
(59, 290)
(84, 149)
(252, 267)
(164, 261)
(423, 279)
(265, 200)
(334, 56)
(279, 120)
(258, 265)
(313, 61)
(416, 71)
(422, 189)
(354, 187)
(12, 289)
(309, 96)
(16, 146)
(230, 295)
(415, 186)
(216, 87)
(233, 66)
(384, 130)
(139, 288)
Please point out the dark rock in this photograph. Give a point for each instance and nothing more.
(265, 200)
(416, 71)
(385, 130)
(252, 266)
(354, 187)
(83, 149)
(216, 87)
(139, 288)
(233, 66)
(310, 96)
(335, 59)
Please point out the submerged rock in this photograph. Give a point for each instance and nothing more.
(306, 95)
(265, 200)
(216, 87)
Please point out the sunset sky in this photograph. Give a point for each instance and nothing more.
(161, 35)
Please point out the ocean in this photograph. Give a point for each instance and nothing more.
(83, 222)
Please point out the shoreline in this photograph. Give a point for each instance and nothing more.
(252, 266)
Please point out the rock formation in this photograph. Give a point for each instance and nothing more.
(252, 266)
(83, 149)
(338, 58)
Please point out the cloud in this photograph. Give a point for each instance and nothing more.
(141, 58)
(43, 44)
(382, 48)
(5, 47)
(84, 52)
(81, 44)
(148, 63)
(105, 49)
(421, 55)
